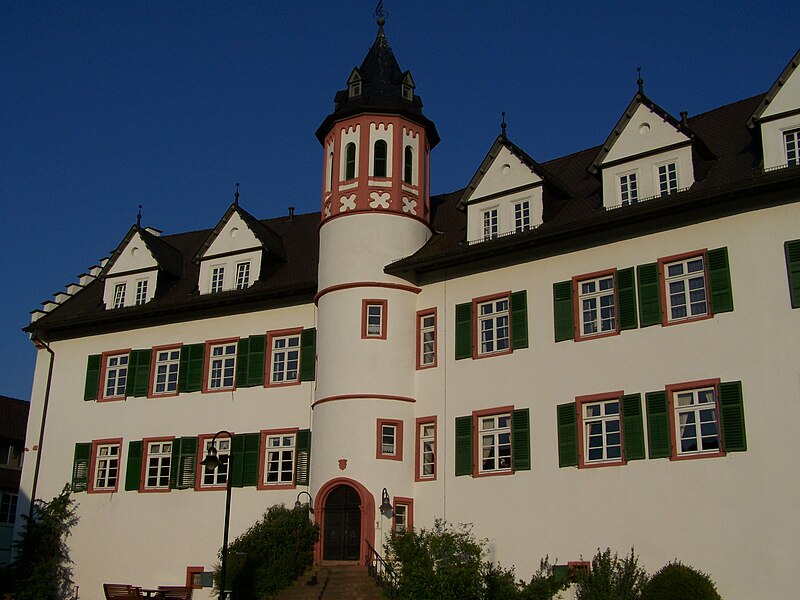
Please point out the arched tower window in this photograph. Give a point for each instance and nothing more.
(379, 159)
(350, 161)
(408, 165)
(329, 172)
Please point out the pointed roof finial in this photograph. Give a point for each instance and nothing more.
(503, 125)
(380, 16)
(640, 81)
(236, 196)
(139, 217)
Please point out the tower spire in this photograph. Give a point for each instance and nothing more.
(640, 81)
(139, 217)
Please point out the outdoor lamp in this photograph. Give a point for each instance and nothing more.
(386, 505)
(298, 506)
(212, 462)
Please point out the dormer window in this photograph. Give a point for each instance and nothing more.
(522, 216)
(119, 295)
(141, 292)
(217, 279)
(668, 179)
(242, 275)
(379, 159)
(354, 89)
(791, 143)
(628, 189)
(408, 92)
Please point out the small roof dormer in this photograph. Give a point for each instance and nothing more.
(354, 84)
(778, 119)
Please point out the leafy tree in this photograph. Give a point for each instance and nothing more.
(675, 581)
(612, 578)
(42, 569)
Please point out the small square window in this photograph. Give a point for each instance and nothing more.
(390, 439)
(373, 319)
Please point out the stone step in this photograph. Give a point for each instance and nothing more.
(333, 582)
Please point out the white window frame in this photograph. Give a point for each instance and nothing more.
(402, 517)
(491, 222)
(218, 477)
(222, 366)
(494, 326)
(427, 450)
(692, 410)
(217, 279)
(105, 476)
(374, 319)
(791, 146)
(280, 456)
(285, 359)
(667, 176)
(119, 295)
(522, 216)
(388, 439)
(115, 378)
(243, 275)
(682, 289)
(494, 437)
(427, 339)
(628, 187)
(597, 308)
(602, 426)
(158, 465)
(141, 292)
(165, 371)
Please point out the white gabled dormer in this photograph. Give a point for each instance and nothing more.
(648, 154)
(231, 257)
(778, 118)
(130, 275)
(506, 194)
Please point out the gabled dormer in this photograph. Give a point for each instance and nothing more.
(232, 257)
(506, 194)
(647, 155)
(131, 275)
(408, 87)
(354, 84)
(778, 119)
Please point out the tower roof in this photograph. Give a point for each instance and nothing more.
(381, 91)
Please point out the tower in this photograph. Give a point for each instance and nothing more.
(375, 209)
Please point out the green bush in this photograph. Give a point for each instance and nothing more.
(612, 578)
(544, 584)
(271, 554)
(675, 581)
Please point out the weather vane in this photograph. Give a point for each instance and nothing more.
(640, 81)
(139, 217)
(503, 125)
(380, 14)
(236, 196)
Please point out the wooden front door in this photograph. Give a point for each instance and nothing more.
(342, 530)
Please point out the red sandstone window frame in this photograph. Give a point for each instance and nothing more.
(101, 396)
(578, 309)
(580, 401)
(278, 334)
(672, 389)
(200, 469)
(145, 466)
(190, 573)
(477, 318)
(418, 452)
(477, 415)
(421, 316)
(210, 344)
(96, 444)
(151, 390)
(408, 503)
(398, 440)
(663, 263)
(262, 460)
(365, 325)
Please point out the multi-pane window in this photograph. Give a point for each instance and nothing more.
(685, 284)
(402, 516)
(696, 424)
(217, 279)
(597, 306)
(390, 439)
(427, 340)
(279, 461)
(379, 159)
(119, 295)
(165, 379)
(116, 376)
(242, 275)
(8, 507)
(667, 179)
(141, 292)
(522, 216)
(490, 223)
(494, 433)
(602, 439)
(159, 460)
(791, 143)
(493, 326)
(628, 189)
(106, 467)
(374, 319)
(219, 476)
(350, 161)
(427, 450)
(285, 359)
(222, 366)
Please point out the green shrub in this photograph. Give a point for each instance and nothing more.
(612, 578)
(675, 581)
(543, 584)
(271, 554)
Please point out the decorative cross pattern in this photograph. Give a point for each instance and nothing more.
(409, 205)
(347, 203)
(379, 200)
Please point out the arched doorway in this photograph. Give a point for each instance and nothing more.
(341, 538)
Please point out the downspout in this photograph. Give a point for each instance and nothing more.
(42, 344)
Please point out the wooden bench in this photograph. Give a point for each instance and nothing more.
(121, 591)
(175, 592)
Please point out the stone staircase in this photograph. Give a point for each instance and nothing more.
(333, 581)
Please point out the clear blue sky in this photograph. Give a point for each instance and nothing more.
(108, 105)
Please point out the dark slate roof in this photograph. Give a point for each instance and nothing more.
(381, 92)
(773, 91)
(167, 257)
(13, 418)
(268, 238)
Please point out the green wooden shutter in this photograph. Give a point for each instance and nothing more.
(625, 283)
(245, 452)
(250, 357)
(521, 439)
(519, 320)
(92, 385)
(138, 382)
(464, 330)
(658, 434)
(308, 354)
(80, 467)
(792, 251)
(190, 374)
(563, 311)
(464, 445)
(731, 407)
(184, 461)
(649, 294)
(133, 471)
(303, 460)
(567, 435)
(632, 427)
(719, 281)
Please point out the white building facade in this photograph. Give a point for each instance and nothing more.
(597, 351)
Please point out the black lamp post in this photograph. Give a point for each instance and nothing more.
(298, 506)
(212, 462)
(386, 505)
